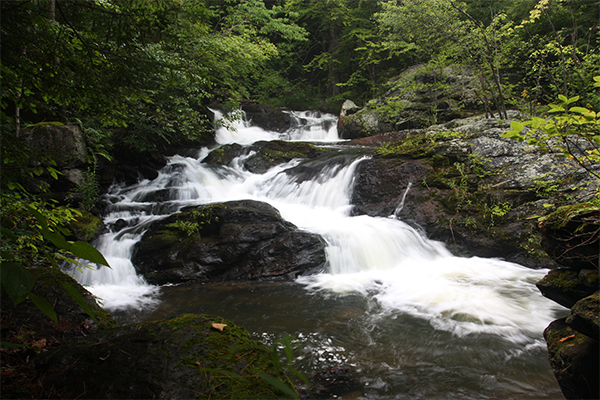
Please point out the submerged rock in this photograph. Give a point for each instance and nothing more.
(233, 240)
(192, 356)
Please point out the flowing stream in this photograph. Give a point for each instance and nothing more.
(411, 319)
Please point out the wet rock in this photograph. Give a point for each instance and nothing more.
(567, 286)
(119, 225)
(233, 240)
(73, 322)
(574, 357)
(263, 155)
(269, 154)
(268, 118)
(181, 358)
(585, 316)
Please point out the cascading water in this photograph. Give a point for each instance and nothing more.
(393, 304)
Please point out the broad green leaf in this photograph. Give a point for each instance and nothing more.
(16, 281)
(76, 295)
(563, 98)
(589, 114)
(87, 252)
(56, 238)
(44, 307)
(516, 126)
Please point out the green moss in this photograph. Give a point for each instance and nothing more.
(228, 358)
(559, 218)
(419, 145)
(565, 280)
(85, 226)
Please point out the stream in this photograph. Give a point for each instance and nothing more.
(413, 321)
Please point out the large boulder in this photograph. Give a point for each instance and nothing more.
(64, 143)
(421, 96)
(233, 240)
(192, 356)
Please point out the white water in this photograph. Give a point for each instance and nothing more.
(379, 257)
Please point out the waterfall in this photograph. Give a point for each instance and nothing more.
(383, 258)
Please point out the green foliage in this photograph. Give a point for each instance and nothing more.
(31, 247)
(191, 223)
(570, 131)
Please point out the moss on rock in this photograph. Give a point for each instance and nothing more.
(191, 356)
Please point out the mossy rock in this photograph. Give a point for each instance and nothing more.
(192, 356)
(574, 359)
(567, 286)
(585, 316)
(86, 227)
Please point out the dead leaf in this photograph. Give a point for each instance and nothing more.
(566, 338)
(218, 327)
(40, 344)
(104, 358)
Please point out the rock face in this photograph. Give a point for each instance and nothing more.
(233, 240)
(192, 356)
(419, 97)
(64, 143)
(465, 185)
(62, 147)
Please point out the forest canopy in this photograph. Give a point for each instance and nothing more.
(159, 62)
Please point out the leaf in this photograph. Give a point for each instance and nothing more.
(516, 126)
(588, 114)
(566, 338)
(9, 234)
(279, 385)
(16, 281)
(44, 307)
(7, 345)
(76, 295)
(218, 326)
(87, 252)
